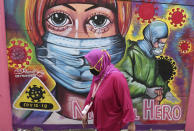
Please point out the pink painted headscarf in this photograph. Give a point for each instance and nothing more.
(94, 56)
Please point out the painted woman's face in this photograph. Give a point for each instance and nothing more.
(81, 21)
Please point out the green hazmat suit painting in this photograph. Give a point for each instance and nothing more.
(141, 68)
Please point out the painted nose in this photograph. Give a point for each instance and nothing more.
(80, 31)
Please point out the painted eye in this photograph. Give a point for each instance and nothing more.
(99, 21)
(59, 19)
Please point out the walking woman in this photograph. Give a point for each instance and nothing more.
(109, 96)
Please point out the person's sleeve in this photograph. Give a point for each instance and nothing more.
(137, 89)
(124, 99)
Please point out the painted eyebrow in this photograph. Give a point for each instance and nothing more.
(70, 7)
(92, 7)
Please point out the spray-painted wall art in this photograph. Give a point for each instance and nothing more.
(150, 42)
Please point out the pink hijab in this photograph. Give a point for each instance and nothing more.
(94, 56)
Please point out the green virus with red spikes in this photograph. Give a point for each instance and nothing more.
(18, 53)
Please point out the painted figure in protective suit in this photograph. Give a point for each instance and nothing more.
(140, 66)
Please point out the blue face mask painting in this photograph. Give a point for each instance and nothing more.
(158, 51)
(63, 58)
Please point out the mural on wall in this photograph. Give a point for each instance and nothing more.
(149, 41)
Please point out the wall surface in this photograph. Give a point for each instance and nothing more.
(190, 113)
(49, 79)
(5, 110)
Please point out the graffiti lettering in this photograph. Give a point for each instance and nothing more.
(136, 116)
(77, 111)
(160, 112)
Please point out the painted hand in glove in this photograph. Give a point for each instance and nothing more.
(152, 92)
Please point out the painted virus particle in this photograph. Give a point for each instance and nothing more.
(184, 47)
(167, 68)
(177, 17)
(18, 54)
(146, 11)
(35, 93)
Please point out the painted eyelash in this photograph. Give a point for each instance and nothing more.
(58, 11)
(99, 13)
(98, 31)
(58, 28)
(62, 28)
(102, 30)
